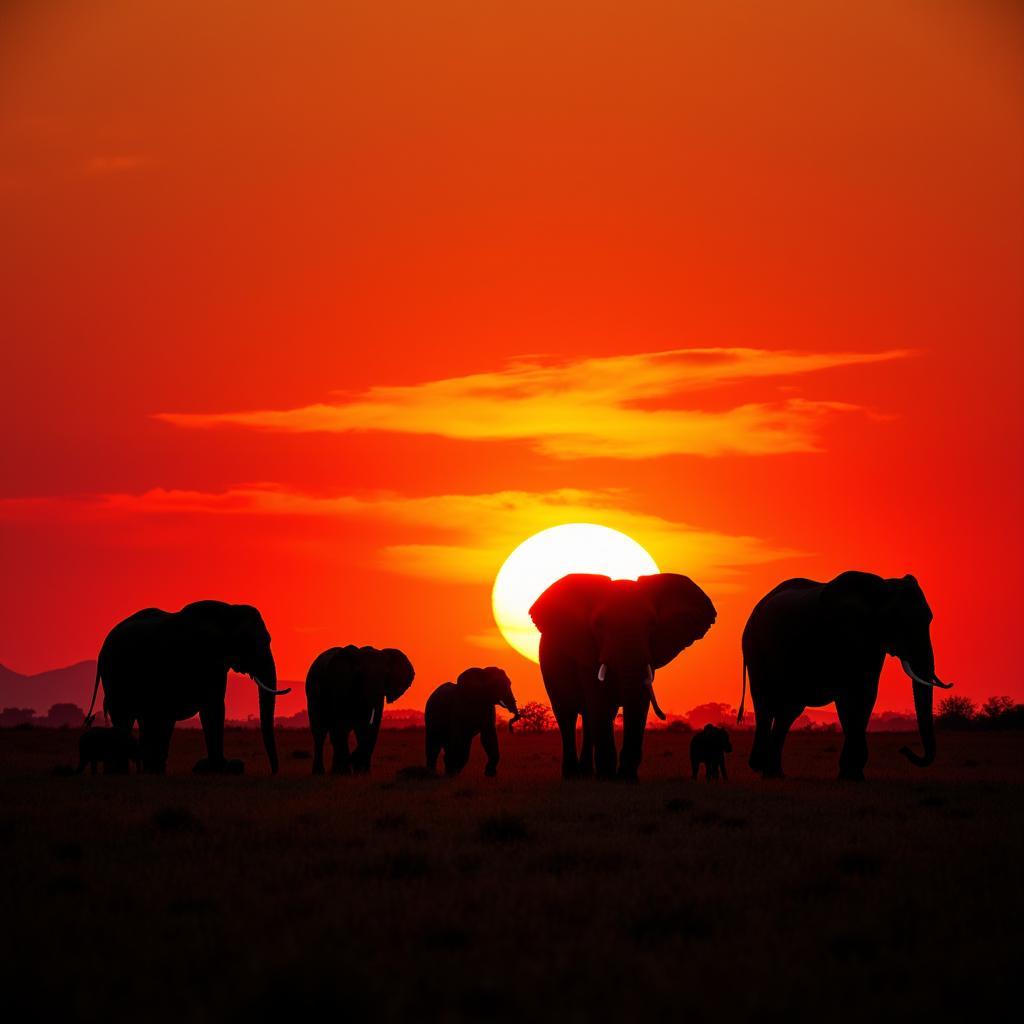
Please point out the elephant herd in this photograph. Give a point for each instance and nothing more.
(602, 641)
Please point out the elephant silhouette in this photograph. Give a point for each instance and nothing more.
(807, 644)
(159, 667)
(115, 749)
(601, 642)
(709, 747)
(346, 688)
(456, 712)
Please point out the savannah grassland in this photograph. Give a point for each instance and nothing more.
(518, 898)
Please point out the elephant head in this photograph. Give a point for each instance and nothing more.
(717, 736)
(894, 614)
(489, 686)
(623, 630)
(247, 651)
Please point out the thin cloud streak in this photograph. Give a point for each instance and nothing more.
(469, 535)
(590, 408)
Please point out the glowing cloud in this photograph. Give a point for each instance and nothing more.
(617, 407)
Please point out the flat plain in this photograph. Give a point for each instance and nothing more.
(518, 898)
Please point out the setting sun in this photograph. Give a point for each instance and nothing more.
(548, 556)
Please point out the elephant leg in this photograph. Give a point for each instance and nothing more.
(634, 722)
(853, 717)
(566, 720)
(586, 763)
(212, 719)
(340, 760)
(780, 727)
(366, 742)
(762, 734)
(604, 746)
(489, 741)
(721, 768)
(433, 750)
(319, 736)
(155, 740)
(456, 754)
(695, 766)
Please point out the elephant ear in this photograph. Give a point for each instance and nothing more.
(683, 614)
(400, 674)
(564, 611)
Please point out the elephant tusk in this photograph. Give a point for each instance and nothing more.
(270, 689)
(650, 675)
(373, 714)
(602, 672)
(923, 682)
(650, 693)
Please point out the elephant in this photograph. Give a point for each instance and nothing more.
(346, 688)
(116, 749)
(456, 712)
(709, 747)
(601, 642)
(808, 643)
(161, 667)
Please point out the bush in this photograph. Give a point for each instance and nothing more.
(956, 712)
(535, 717)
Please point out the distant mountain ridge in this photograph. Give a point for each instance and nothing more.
(71, 684)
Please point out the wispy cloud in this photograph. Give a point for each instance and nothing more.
(466, 536)
(625, 407)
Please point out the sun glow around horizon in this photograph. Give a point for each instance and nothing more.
(548, 556)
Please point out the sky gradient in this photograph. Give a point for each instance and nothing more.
(327, 308)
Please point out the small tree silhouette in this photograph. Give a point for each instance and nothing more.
(534, 717)
(956, 712)
(1001, 713)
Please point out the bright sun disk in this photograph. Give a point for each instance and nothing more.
(548, 556)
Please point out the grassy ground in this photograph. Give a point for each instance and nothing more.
(253, 898)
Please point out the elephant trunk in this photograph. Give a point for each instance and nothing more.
(925, 725)
(268, 700)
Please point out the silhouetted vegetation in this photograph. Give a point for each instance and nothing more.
(534, 717)
(956, 712)
(60, 716)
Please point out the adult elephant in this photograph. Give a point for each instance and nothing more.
(456, 712)
(346, 688)
(808, 643)
(160, 667)
(601, 642)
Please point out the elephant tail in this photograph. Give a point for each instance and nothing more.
(743, 697)
(90, 716)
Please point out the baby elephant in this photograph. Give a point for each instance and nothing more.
(709, 746)
(456, 712)
(115, 749)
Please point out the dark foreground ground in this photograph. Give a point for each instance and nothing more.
(520, 898)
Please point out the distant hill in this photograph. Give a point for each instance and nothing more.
(40, 692)
(73, 685)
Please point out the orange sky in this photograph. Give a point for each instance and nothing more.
(325, 307)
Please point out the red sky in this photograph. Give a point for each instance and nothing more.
(325, 307)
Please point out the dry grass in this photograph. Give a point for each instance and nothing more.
(254, 898)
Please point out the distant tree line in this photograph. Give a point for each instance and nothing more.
(996, 713)
(60, 716)
(954, 712)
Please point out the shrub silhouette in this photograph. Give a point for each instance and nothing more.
(534, 717)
